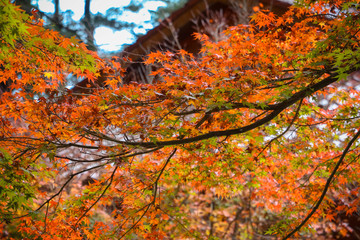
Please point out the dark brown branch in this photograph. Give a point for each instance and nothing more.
(286, 130)
(279, 107)
(110, 157)
(328, 182)
(180, 223)
(46, 215)
(147, 207)
(66, 183)
(66, 145)
(98, 199)
(161, 172)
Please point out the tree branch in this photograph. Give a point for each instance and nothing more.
(147, 206)
(328, 182)
(279, 107)
(98, 199)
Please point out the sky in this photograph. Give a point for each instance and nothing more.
(106, 38)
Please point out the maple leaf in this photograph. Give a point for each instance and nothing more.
(49, 75)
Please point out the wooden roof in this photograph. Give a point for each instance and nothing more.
(183, 16)
(181, 20)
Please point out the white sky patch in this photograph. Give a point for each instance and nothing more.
(45, 6)
(143, 29)
(110, 40)
(153, 5)
(137, 18)
(106, 38)
(76, 6)
(101, 6)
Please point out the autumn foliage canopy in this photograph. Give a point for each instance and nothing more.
(256, 135)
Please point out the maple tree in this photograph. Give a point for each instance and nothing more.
(263, 124)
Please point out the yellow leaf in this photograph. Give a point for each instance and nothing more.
(49, 75)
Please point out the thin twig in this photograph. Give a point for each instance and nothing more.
(46, 214)
(286, 130)
(180, 223)
(98, 199)
(147, 207)
(62, 188)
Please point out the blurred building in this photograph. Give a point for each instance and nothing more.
(177, 32)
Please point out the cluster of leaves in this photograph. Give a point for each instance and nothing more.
(16, 189)
(224, 145)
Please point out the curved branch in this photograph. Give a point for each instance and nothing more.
(110, 157)
(147, 206)
(279, 107)
(276, 110)
(283, 133)
(98, 199)
(328, 182)
(161, 172)
(64, 185)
